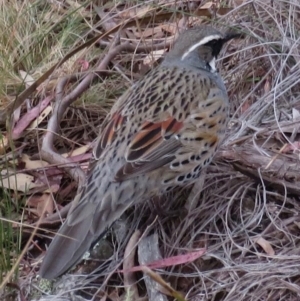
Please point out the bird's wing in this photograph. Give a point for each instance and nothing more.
(152, 146)
(161, 134)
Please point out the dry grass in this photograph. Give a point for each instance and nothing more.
(246, 213)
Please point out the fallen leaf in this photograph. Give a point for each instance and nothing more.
(28, 79)
(267, 85)
(20, 181)
(40, 118)
(153, 56)
(5, 101)
(265, 245)
(140, 12)
(46, 204)
(53, 189)
(291, 147)
(207, 5)
(166, 288)
(84, 64)
(148, 32)
(170, 261)
(33, 164)
(78, 151)
(16, 115)
(170, 28)
(296, 114)
(43, 203)
(31, 115)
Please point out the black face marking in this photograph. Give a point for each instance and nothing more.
(216, 46)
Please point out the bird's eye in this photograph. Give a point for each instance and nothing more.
(212, 43)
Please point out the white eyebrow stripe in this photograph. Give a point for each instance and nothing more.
(202, 42)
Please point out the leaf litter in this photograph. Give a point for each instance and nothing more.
(246, 214)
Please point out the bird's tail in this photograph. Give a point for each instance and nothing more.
(83, 226)
(67, 248)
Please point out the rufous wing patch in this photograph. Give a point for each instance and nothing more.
(150, 148)
(150, 136)
(171, 126)
(109, 133)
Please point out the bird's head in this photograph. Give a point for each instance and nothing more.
(199, 47)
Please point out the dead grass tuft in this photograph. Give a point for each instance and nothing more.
(244, 212)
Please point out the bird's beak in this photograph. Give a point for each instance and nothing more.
(232, 35)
